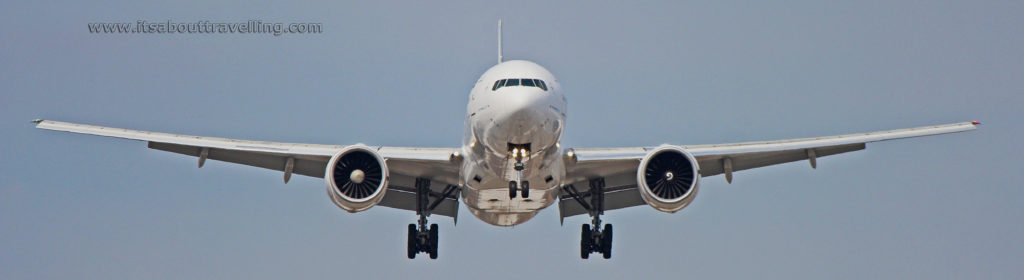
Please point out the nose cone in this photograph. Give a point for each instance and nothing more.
(519, 102)
(521, 110)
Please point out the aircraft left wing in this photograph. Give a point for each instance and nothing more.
(618, 166)
(405, 164)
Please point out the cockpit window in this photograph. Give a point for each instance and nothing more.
(517, 82)
(541, 85)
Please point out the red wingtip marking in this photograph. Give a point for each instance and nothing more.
(975, 122)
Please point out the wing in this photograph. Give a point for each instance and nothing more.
(404, 164)
(618, 165)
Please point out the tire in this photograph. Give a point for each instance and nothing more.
(433, 241)
(411, 247)
(511, 189)
(526, 189)
(606, 241)
(585, 240)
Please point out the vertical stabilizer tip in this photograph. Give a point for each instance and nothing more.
(500, 58)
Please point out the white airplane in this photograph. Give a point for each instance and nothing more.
(511, 163)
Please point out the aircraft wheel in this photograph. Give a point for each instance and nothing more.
(433, 241)
(511, 189)
(411, 247)
(526, 189)
(585, 240)
(606, 241)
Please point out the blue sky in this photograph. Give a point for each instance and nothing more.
(82, 207)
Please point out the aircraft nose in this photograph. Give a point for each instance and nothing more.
(522, 105)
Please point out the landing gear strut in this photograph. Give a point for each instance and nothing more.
(423, 239)
(593, 239)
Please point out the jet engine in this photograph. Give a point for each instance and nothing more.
(357, 178)
(668, 178)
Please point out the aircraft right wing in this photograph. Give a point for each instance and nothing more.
(618, 166)
(405, 163)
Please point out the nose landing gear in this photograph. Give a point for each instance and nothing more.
(522, 186)
(519, 152)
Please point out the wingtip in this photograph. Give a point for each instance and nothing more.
(975, 122)
(37, 121)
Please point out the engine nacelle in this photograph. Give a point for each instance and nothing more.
(357, 178)
(668, 178)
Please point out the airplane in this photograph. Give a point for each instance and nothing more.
(511, 164)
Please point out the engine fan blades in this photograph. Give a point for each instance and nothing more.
(361, 162)
(669, 175)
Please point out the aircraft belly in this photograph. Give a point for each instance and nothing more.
(493, 205)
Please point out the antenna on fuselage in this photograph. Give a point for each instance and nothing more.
(500, 58)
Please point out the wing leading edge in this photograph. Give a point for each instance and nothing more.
(618, 165)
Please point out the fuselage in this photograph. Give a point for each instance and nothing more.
(516, 105)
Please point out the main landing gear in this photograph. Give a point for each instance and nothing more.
(596, 240)
(423, 239)
(593, 239)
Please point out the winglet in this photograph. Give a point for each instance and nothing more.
(37, 121)
(975, 122)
